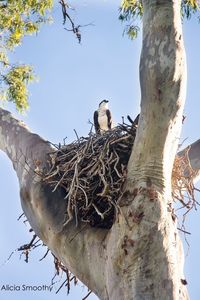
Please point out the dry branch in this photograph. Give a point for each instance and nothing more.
(75, 29)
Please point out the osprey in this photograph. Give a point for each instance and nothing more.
(102, 117)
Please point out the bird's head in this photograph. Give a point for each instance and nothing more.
(103, 104)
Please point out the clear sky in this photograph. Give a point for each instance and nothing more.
(73, 79)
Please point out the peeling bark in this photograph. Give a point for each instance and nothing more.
(141, 256)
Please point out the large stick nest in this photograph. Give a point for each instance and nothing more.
(92, 170)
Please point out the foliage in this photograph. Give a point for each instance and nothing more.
(18, 18)
(189, 7)
(132, 10)
(17, 79)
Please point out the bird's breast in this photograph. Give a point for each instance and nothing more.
(103, 121)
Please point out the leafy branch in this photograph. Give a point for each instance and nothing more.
(18, 18)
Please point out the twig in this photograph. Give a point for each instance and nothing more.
(184, 231)
(87, 295)
(74, 29)
(98, 212)
(44, 255)
(78, 139)
(68, 281)
(29, 245)
(20, 216)
(61, 286)
(9, 257)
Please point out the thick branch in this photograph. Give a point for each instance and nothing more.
(27, 151)
(79, 248)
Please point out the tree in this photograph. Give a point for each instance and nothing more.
(147, 245)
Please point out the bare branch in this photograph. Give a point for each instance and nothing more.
(87, 295)
(74, 28)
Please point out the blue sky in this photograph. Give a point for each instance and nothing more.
(73, 79)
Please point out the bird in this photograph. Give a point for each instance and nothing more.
(103, 118)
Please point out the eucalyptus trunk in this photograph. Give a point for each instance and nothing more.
(141, 256)
(145, 255)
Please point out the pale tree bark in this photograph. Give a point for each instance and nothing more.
(141, 256)
(82, 253)
(151, 267)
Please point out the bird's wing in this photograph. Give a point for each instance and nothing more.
(109, 116)
(96, 123)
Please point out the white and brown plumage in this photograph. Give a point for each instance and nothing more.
(102, 118)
